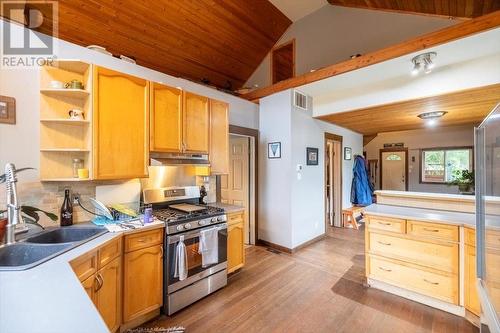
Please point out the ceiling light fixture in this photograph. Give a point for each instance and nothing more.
(423, 62)
(432, 115)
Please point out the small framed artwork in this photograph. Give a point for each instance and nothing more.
(347, 153)
(274, 150)
(7, 110)
(312, 156)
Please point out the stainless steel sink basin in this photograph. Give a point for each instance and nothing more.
(66, 235)
(22, 256)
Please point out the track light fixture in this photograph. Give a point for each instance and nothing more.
(423, 62)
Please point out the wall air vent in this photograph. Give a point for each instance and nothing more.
(300, 100)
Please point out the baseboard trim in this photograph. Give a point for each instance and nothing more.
(288, 250)
(274, 246)
(430, 301)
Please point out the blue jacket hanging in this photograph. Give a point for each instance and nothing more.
(361, 189)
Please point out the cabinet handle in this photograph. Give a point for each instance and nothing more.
(100, 282)
(161, 251)
(434, 283)
(384, 223)
(431, 230)
(385, 269)
(388, 244)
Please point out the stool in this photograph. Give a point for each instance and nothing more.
(349, 218)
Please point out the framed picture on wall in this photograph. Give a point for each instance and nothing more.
(274, 150)
(347, 153)
(312, 156)
(7, 110)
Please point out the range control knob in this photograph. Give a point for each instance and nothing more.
(202, 222)
(220, 218)
(214, 219)
(179, 228)
(187, 226)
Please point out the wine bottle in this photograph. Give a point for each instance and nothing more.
(66, 210)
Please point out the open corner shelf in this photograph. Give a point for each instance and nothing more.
(65, 121)
(69, 150)
(71, 65)
(65, 180)
(75, 93)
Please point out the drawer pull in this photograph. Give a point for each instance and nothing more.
(431, 230)
(384, 223)
(385, 269)
(383, 243)
(434, 283)
(141, 240)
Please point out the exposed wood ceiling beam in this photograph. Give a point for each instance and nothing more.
(439, 37)
(464, 107)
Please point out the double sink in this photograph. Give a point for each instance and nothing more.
(44, 246)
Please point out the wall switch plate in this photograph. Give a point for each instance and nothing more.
(299, 167)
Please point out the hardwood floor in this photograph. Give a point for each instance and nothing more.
(318, 289)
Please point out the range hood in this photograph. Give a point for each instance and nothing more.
(158, 159)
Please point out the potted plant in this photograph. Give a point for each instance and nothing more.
(464, 179)
(29, 214)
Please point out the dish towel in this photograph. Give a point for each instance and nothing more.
(209, 247)
(180, 262)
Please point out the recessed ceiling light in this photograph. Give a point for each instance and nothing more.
(432, 115)
(423, 62)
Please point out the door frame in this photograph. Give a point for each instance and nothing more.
(399, 149)
(338, 138)
(251, 133)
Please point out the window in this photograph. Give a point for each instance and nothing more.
(438, 165)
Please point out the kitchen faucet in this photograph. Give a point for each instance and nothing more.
(15, 223)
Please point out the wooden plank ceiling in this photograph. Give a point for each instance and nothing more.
(222, 41)
(449, 8)
(464, 107)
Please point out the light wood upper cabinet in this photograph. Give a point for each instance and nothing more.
(121, 123)
(196, 123)
(108, 294)
(235, 242)
(166, 118)
(143, 282)
(219, 137)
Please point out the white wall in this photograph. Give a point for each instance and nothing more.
(415, 140)
(332, 34)
(292, 210)
(20, 143)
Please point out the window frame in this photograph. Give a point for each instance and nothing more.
(421, 160)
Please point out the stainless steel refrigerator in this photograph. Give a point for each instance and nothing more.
(487, 166)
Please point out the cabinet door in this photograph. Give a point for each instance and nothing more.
(196, 123)
(108, 294)
(121, 122)
(166, 118)
(235, 247)
(89, 284)
(219, 137)
(143, 282)
(471, 296)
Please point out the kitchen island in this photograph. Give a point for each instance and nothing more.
(421, 246)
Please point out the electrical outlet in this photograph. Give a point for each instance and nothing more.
(76, 198)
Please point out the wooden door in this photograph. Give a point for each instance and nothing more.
(166, 118)
(393, 169)
(196, 123)
(121, 122)
(235, 246)
(108, 293)
(235, 185)
(143, 282)
(219, 137)
(89, 284)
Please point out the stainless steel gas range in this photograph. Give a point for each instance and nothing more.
(186, 221)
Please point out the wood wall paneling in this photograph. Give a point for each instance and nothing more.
(222, 41)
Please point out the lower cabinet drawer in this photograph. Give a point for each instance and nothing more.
(441, 286)
(387, 224)
(433, 230)
(441, 256)
(143, 239)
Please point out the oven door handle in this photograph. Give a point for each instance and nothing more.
(192, 234)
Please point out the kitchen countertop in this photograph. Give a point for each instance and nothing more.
(430, 215)
(228, 208)
(49, 298)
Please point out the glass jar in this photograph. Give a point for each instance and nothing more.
(77, 164)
